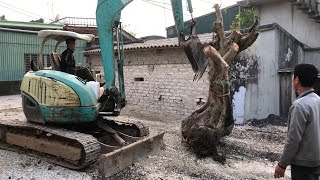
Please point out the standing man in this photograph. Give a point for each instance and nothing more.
(302, 147)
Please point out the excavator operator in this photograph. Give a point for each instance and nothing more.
(67, 63)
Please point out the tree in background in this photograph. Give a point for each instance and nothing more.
(38, 21)
(3, 18)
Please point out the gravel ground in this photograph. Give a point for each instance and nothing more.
(252, 150)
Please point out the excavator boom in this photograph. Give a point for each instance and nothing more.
(108, 15)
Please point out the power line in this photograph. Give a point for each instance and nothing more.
(170, 5)
(206, 1)
(23, 11)
(17, 11)
(212, 3)
(148, 1)
(159, 2)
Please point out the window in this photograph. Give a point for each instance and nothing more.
(139, 79)
(34, 57)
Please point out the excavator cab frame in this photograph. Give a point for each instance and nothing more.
(59, 36)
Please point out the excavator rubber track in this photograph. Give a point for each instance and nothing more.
(137, 128)
(70, 149)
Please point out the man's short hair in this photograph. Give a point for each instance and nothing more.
(307, 74)
(70, 40)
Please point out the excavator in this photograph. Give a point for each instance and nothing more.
(67, 124)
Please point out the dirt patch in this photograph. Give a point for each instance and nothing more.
(270, 120)
(251, 153)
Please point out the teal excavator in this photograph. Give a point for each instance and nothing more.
(67, 123)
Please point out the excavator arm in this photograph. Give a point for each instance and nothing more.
(108, 15)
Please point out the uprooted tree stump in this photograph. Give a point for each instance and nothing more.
(202, 130)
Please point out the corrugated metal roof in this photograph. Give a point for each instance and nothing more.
(159, 44)
(18, 30)
(29, 25)
(173, 42)
(204, 23)
(256, 2)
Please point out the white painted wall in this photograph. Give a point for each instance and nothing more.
(313, 57)
(262, 99)
(295, 21)
(238, 105)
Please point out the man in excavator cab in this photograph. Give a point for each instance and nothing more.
(68, 63)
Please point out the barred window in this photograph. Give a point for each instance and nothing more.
(34, 57)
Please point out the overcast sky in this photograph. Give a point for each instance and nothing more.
(143, 17)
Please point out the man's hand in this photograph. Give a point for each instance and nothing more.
(279, 172)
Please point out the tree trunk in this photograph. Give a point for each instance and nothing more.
(202, 130)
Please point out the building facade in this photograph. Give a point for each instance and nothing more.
(159, 77)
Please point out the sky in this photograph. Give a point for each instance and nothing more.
(142, 17)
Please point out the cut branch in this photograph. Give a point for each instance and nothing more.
(235, 37)
(214, 54)
(218, 27)
(231, 54)
(250, 38)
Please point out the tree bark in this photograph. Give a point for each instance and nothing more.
(202, 130)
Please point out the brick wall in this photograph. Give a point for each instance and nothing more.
(160, 80)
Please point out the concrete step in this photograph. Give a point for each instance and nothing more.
(316, 17)
(309, 7)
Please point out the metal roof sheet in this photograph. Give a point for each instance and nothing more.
(27, 25)
(158, 44)
(173, 42)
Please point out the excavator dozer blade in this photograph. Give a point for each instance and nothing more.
(117, 160)
(194, 51)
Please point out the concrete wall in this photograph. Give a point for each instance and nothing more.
(295, 21)
(312, 57)
(262, 98)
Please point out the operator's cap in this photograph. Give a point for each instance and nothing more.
(70, 40)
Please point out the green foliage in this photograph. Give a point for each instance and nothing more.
(3, 18)
(244, 18)
(235, 26)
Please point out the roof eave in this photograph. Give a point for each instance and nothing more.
(256, 2)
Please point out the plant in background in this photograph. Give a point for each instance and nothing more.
(244, 18)
(3, 18)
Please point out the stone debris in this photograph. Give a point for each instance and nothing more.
(251, 153)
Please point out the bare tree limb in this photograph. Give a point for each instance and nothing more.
(214, 54)
(231, 54)
(235, 36)
(218, 27)
(250, 38)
